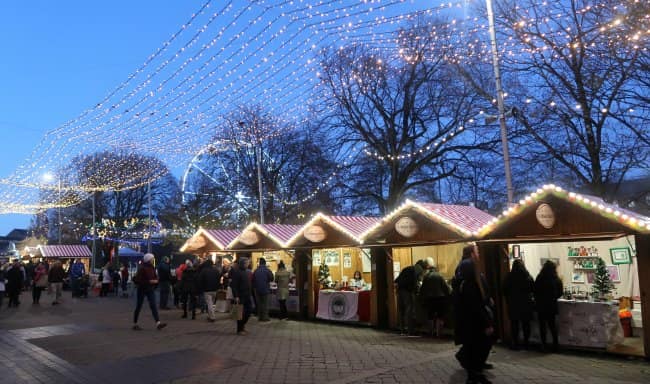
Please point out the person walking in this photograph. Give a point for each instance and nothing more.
(240, 284)
(77, 270)
(39, 281)
(124, 279)
(407, 285)
(165, 282)
(2, 283)
(189, 289)
(262, 277)
(282, 278)
(15, 278)
(434, 296)
(55, 279)
(548, 288)
(519, 288)
(474, 313)
(106, 280)
(209, 284)
(145, 280)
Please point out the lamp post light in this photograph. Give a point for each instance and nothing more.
(500, 104)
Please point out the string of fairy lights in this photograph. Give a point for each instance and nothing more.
(267, 53)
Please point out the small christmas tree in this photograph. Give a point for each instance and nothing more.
(324, 275)
(603, 284)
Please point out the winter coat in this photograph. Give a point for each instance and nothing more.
(548, 288)
(56, 274)
(164, 272)
(15, 279)
(146, 272)
(262, 277)
(407, 279)
(240, 283)
(473, 311)
(433, 285)
(518, 289)
(209, 279)
(77, 270)
(189, 283)
(282, 278)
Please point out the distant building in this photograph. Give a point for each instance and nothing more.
(8, 244)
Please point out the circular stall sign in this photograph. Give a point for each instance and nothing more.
(406, 227)
(545, 216)
(249, 238)
(315, 234)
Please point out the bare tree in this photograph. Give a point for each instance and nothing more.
(577, 87)
(403, 111)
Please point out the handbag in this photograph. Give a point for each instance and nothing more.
(237, 312)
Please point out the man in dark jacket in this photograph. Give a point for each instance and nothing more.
(240, 283)
(209, 283)
(145, 279)
(261, 280)
(407, 285)
(474, 314)
(15, 280)
(189, 289)
(55, 277)
(164, 282)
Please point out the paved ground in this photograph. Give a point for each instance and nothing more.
(90, 341)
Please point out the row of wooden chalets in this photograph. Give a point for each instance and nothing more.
(345, 267)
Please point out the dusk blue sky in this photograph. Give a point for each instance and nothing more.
(59, 57)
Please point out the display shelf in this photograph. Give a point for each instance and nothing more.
(583, 257)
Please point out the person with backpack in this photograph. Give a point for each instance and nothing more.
(145, 280)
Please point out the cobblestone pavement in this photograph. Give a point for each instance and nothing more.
(91, 341)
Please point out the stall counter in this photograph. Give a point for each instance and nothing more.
(343, 305)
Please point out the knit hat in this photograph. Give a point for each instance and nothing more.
(147, 257)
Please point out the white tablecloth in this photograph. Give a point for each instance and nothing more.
(586, 324)
(338, 305)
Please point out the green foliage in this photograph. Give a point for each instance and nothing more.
(603, 284)
(323, 275)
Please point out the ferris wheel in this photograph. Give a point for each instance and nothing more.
(219, 186)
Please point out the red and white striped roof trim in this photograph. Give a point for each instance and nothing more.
(351, 226)
(222, 237)
(278, 233)
(65, 251)
(462, 219)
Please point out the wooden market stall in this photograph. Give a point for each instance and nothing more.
(269, 241)
(415, 231)
(575, 231)
(66, 253)
(333, 244)
(209, 242)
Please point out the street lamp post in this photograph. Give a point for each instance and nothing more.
(500, 106)
(60, 222)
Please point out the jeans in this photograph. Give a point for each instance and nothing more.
(151, 298)
(189, 299)
(74, 286)
(262, 302)
(406, 310)
(57, 288)
(36, 293)
(105, 288)
(210, 297)
(165, 287)
(248, 308)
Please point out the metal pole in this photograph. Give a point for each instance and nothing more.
(258, 152)
(149, 224)
(60, 223)
(500, 106)
(92, 261)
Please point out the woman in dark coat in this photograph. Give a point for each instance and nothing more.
(519, 288)
(548, 288)
(189, 289)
